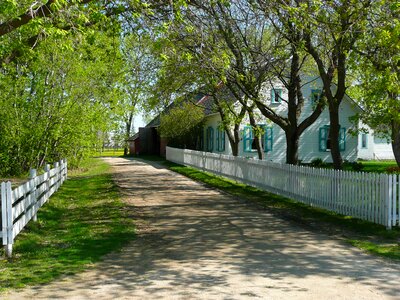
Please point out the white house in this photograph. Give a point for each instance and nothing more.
(314, 142)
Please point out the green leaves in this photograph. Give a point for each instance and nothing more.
(180, 121)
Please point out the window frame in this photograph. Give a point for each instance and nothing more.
(267, 138)
(315, 92)
(324, 137)
(364, 135)
(274, 94)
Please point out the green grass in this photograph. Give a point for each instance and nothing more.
(111, 152)
(81, 223)
(369, 166)
(365, 235)
(377, 166)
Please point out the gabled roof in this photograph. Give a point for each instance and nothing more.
(133, 137)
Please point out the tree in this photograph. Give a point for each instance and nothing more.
(331, 32)
(377, 67)
(182, 125)
(140, 66)
(24, 24)
(248, 53)
(56, 103)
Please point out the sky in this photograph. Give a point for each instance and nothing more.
(138, 122)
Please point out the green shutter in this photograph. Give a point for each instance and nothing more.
(247, 137)
(223, 140)
(218, 139)
(268, 139)
(201, 146)
(342, 139)
(323, 136)
(210, 139)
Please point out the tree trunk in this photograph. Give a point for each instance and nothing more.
(260, 150)
(235, 141)
(292, 147)
(396, 141)
(334, 130)
(235, 148)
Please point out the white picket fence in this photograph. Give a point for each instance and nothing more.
(20, 205)
(368, 196)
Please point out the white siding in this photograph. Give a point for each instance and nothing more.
(309, 141)
(382, 149)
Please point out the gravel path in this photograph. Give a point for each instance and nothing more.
(197, 243)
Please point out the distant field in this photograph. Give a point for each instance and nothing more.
(111, 152)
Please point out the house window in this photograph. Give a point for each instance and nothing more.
(364, 141)
(210, 139)
(220, 140)
(276, 95)
(316, 96)
(325, 141)
(249, 139)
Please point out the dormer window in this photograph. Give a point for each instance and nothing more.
(276, 95)
(316, 96)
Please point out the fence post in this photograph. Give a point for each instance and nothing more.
(56, 164)
(9, 241)
(4, 213)
(66, 168)
(47, 171)
(32, 177)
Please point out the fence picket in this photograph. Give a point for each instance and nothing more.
(4, 212)
(368, 196)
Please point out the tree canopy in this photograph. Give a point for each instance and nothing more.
(72, 71)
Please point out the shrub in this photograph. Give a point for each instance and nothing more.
(356, 166)
(317, 163)
(393, 170)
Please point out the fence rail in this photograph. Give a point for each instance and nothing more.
(20, 205)
(368, 196)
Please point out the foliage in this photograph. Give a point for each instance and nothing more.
(355, 166)
(138, 77)
(56, 103)
(81, 223)
(182, 124)
(331, 32)
(318, 163)
(395, 170)
(376, 65)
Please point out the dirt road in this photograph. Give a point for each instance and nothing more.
(197, 243)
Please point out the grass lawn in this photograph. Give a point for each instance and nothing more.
(81, 223)
(362, 234)
(369, 166)
(111, 152)
(377, 166)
